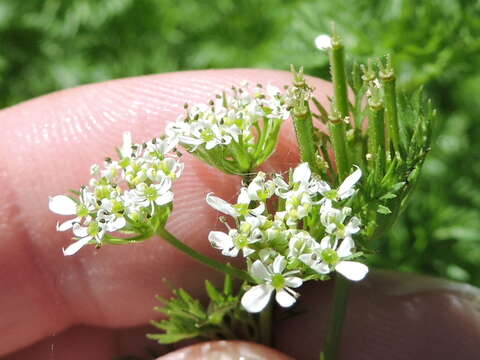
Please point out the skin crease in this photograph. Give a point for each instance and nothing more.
(94, 305)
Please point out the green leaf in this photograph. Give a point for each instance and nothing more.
(383, 210)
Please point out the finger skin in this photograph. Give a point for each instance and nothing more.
(390, 316)
(48, 146)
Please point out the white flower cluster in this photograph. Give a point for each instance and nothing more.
(241, 128)
(279, 247)
(123, 195)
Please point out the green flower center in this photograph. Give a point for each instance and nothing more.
(330, 256)
(278, 281)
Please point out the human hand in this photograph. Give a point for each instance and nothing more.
(95, 304)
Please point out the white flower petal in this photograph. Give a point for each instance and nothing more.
(247, 251)
(323, 42)
(345, 248)
(67, 225)
(222, 241)
(302, 173)
(80, 231)
(285, 299)
(258, 210)
(255, 299)
(77, 245)
(62, 205)
(347, 185)
(259, 271)
(321, 268)
(326, 243)
(352, 270)
(293, 282)
(221, 205)
(279, 264)
(116, 224)
(243, 197)
(165, 198)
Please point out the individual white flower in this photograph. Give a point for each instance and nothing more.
(329, 257)
(333, 221)
(323, 42)
(344, 191)
(158, 148)
(271, 278)
(95, 231)
(63, 205)
(150, 195)
(248, 233)
(297, 205)
(302, 180)
(301, 243)
(259, 189)
(241, 208)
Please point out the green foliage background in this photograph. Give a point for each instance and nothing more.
(53, 44)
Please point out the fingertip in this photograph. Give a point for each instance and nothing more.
(226, 350)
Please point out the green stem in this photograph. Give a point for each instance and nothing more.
(376, 129)
(214, 264)
(241, 157)
(265, 322)
(337, 68)
(334, 334)
(306, 143)
(392, 112)
(339, 143)
(340, 108)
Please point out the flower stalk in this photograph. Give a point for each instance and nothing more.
(265, 324)
(387, 76)
(339, 306)
(302, 121)
(214, 264)
(340, 107)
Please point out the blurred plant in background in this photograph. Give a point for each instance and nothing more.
(54, 44)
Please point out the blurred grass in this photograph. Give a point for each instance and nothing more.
(53, 44)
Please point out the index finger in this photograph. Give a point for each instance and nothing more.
(48, 146)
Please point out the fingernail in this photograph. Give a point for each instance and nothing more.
(226, 350)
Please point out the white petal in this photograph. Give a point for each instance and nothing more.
(279, 264)
(258, 210)
(221, 205)
(293, 282)
(67, 224)
(345, 248)
(321, 268)
(80, 231)
(285, 299)
(164, 199)
(243, 197)
(323, 42)
(62, 205)
(307, 259)
(220, 240)
(126, 149)
(259, 271)
(352, 270)
(117, 224)
(346, 187)
(77, 245)
(247, 251)
(326, 243)
(255, 299)
(302, 173)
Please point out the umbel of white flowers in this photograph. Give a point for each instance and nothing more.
(279, 247)
(236, 131)
(123, 195)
